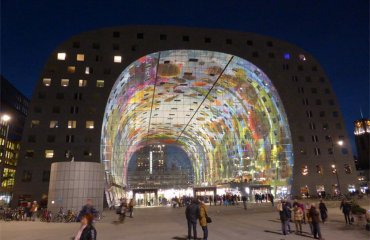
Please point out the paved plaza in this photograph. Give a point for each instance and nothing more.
(258, 222)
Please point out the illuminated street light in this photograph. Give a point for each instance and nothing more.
(6, 118)
(340, 143)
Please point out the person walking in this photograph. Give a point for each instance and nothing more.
(192, 215)
(284, 216)
(203, 219)
(345, 206)
(271, 199)
(87, 231)
(244, 199)
(297, 218)
(88, 208)
(131, 207)
(34, 209)
(315, 216)
(323, 211)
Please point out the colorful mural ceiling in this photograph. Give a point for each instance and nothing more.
(221, 109)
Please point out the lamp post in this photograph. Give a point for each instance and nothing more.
(5, 121)
(334, 169)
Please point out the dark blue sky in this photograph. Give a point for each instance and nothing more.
(335, 32)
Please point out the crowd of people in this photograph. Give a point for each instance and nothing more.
(195, 211)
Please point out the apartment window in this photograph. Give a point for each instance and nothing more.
(327, 91)
(115, 46)
(304, 170)
(46, 82)
(294, 78)
(315, 138)
(255, 54)
(207, 40)
(53, 124)
(325, 126)
(72, 124)
(116, 34)
(163, 37)
(96, 46)
(140, 35)
(45, 176)
(317, 151)
(319, 169)
(309, 114)
(70, 138)
(98, 58)
(344, 151)
(285, 66)
(55, 110)
(90, 124)
(318, 102)
(71, 69)
(322, 80)
(312, 126)
(74, 110)
(50, 138)
(133, 48)
(32, 138)
(314, 90)
(37, 109)
(300, 90)
(347, 169)
(331, 102)
(49, 153)
(78, 96)
(26, 176)
(302, 57)
(82, 83)
(88, 70)
(335, 114)
(60, 96)
(314, 68)
(30, 153)
(250, 43)
(338, 126)
(330, 151)
(80, 57)
(322, 114)
(35, 123)
(76, 45)
(308, 79)
(229, 41)
(64, 82)
(271, 55)
(100, 83)
(61, 56)
(117, 59)
(305, 101)
(185, 38)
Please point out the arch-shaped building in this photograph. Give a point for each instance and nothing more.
(243, 106)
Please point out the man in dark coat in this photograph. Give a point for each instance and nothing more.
(315, 222)
(192, 214)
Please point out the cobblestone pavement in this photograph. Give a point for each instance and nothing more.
(258, 222)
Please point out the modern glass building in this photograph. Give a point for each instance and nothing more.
(246, 108)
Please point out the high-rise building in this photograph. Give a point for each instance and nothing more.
(241, 105)
(362, 139)
(13, 112)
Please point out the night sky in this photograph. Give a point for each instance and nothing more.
(335, 32)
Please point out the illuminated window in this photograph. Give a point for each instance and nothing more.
(305, 170)
(347, 169)
(302, 57)
(71, 69)
(88, 70)
(53, 124)
(333, 169)
(72, 124)
(117, 59)
(80, 57)
(319, 169)
(35, 123)
(90, 124)
(46, 82)
(61, 56)
(49, 153)
(64, 82)
(99, 83)
(82, 83)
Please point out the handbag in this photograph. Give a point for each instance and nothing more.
(208, 219)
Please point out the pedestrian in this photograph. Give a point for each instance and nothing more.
(289, 212)
(345, 206)
(297, 218)
(121, 211)
(27, 211)
(87, 231)
(192, 215)
(203, 219)
(323, 211)
(309, 218)
(272, 199)
(131, 207)
(88, 208)
(315, 216)
(284, 216)
(244, 199)
(34, 209)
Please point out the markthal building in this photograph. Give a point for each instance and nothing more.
(249, 113)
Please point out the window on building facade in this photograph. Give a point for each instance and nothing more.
(55, 109)
(312, 126)
(117, 59)
(335, 114)
(347, 169)
(309, 114)
(70, 138)
(46, 82)
(322, 114)
(100, 83)
(45, 176)
(317, 151)
(64, 82)
(78, 96)
(35, 123)
(32, 138)
(30, 153)
(90, 124)
(344, 151)
(72, 124)
(53, 124)
(74, 110)
(71, 69)
(49, 153)
(116, 34)
(115, 46)
(302, 57)
(304, 170)
(61, 56)
(249, 42)
(26, 176)
(207, 40)
(315, 138)
(50, 138)
(82, 83)
(88, 70)
(325, 126)
(185, 38)
(80, 57)
(330, 151)
(319, 169)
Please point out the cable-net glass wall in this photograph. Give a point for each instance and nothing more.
(221, 109)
